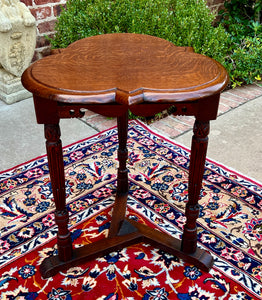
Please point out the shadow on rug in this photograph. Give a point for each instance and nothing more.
(230, 225)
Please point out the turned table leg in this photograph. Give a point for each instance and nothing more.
(124, 232)
(196, 171)
(119, 210)
(56, 168)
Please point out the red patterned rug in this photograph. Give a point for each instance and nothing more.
(230, 225)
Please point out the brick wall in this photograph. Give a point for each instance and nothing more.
(46, 11)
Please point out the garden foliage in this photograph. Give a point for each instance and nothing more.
(183, 22)
(242, 20)
(236, 41)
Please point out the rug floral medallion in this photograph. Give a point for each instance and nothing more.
(229, 225)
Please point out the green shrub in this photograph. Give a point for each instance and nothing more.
(242, 21)
(244, 63)
(183, 22)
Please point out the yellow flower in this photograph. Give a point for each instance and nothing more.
(258, 77)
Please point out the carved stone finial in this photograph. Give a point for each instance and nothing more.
(17, 45)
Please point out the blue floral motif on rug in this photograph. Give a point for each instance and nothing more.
(229, 225)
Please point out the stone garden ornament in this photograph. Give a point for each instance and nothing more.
(17, 46)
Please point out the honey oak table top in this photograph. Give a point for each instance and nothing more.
(127, 69)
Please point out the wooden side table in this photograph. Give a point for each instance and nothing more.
(110, 74)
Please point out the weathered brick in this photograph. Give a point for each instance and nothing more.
(41, 2)
(242, 93)
(188, 120)
(41, 13)
(41, 41)
(223, 108)
(57, 9)
(229, 102)
(175, 123)
(27, 2)
(259, 85)
(164, 129)
(253, 89)
(230, 96)
(100, 122)
(35, 57)
(42, 52)
(46, 27)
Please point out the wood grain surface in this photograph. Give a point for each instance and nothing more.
(127, 69)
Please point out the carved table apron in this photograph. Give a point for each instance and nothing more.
(111, 74)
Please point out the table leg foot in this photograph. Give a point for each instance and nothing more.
(131, 232)
(200, 258)
(52, 265)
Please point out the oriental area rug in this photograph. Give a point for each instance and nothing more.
(229, 226)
